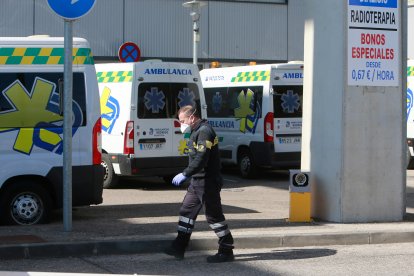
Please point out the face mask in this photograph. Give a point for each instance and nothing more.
(185, 128)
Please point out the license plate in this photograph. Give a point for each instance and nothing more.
(148, 146)
(289, 140)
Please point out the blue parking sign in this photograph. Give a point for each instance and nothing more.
(71, 9)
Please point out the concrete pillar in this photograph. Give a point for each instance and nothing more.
(353, 140)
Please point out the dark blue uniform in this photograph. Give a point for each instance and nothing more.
(205, 187)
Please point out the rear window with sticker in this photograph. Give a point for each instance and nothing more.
(163, 100)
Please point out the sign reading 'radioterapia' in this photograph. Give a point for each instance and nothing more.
(373, 48)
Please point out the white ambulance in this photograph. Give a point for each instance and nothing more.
(140, 129)
(31, 127)
(410, 113)
(257, 114)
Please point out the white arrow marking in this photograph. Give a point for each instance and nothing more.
(74, 1)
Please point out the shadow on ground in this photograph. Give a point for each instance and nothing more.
(289, 254)
(273, 179)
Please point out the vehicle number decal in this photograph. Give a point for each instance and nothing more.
(289, 140)
(157, 146)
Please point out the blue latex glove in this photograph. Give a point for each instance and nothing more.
(178, 179)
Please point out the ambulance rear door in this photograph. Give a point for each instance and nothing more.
(162, 89)
(287, 90)
(152, 123)
(185, 90)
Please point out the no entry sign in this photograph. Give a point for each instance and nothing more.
(129, 52)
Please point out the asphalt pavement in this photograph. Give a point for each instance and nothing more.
(141, 218)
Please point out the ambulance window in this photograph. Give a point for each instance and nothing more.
(217, 102)
(287, 101)
(46, 85)
(162, 100)
(152, 99)
(6, 80)
(241, 97)
(184, 94)
(225, 102)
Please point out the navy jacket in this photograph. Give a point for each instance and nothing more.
(203, 152)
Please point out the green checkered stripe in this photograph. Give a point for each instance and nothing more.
(49, 56)
(114, 76)
(251, 76)
(410, 71)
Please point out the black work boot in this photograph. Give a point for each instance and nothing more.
(178, 246)
(223, 255)
(178, 253)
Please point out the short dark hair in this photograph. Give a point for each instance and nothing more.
(188, 110)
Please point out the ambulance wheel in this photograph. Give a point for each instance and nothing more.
(25, 202)
(110, 178)
(247, 167)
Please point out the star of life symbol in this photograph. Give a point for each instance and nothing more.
(74, 2)
(186, 97)
(409, 101)
(154, 100)
(182, 147)
(290, 101)
(35, 116)
(109, 110)
(217, 102)
(245, 112)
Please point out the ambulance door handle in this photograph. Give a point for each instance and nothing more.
(177, 132)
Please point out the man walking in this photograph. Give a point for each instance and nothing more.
(204, 189)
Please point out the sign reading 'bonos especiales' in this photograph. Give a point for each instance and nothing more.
(373, 42)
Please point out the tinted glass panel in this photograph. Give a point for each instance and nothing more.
(231, 102)
(287, 101)
(217, 102)
(162, 100)
(30, 99)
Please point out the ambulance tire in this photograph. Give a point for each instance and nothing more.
(110, 177)
(247, 167)
(25, 202)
